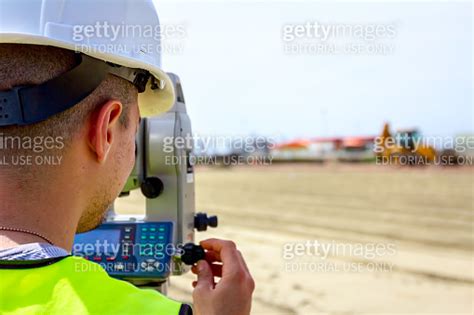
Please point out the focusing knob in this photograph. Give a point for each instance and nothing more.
(152, 187)
(202, 221)
(192, 253)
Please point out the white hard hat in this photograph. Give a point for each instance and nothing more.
(121, 32)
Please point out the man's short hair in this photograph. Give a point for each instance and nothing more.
(34, 64)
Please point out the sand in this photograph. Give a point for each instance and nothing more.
(420, 220)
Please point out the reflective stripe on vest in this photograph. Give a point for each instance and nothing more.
(76, 286)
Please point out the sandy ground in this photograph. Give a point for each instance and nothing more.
(398, 241)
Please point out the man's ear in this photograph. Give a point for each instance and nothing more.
(102, 131)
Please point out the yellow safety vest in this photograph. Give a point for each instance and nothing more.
(75, 286)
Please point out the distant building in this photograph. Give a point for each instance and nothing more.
(296, 150)
(356, 149)
(325, 149)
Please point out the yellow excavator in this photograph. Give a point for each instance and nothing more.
(404, 148)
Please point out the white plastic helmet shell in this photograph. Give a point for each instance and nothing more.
(124, 32)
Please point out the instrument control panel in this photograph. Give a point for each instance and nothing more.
(129, 249)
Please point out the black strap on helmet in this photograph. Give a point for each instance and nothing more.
(25, 105)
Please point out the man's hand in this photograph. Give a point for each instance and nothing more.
(232, 294)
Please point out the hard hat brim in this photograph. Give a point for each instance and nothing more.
(151, 102)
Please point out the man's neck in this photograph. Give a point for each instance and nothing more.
(49, 213)
(9, 239)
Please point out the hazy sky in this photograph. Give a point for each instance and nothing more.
(237, 78)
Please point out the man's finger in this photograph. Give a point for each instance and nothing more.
(217, 270)
(212, 256)
(205, 277)
(226, 250)
(232, 259)
(243, 263)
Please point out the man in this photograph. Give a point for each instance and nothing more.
(67, 145)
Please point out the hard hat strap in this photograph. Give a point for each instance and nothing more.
(25, 105)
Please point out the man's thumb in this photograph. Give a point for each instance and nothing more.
(205, 276)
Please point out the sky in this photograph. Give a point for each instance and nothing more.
(238, 79)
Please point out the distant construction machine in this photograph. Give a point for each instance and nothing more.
(405, 147)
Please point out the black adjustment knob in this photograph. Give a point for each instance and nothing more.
(192, 253)
(152, 187)
(213, 222)
(202, 221)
